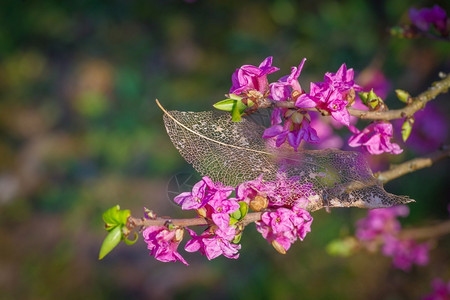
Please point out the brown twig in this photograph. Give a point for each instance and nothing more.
(161, 221)
(413, 165)
(428, 232)
(417, 103)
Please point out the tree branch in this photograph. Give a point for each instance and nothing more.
(428, 232)
(162, 221)
(419, 102)
(413, 165)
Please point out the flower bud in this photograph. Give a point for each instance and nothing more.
(280, 249)
(297, 117)
(403, 96)
(179, 233)
(202, 212)
(149, 214)
(407, 128)
(259, 203)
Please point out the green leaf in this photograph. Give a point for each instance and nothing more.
(235, 97)
(114, 217)
(402, 95)
(233, 220)
(235, 113)
(243, 208)
(131, 242)
(111, 241)
(241, 106)
(407, 128)
(225, 105)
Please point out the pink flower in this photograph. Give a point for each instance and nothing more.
(342, 80)
(441, 290)
(405, 252)
(203, 191)
(293, 130)
(331, 94)
(375, 138)
(249, 77)
(221, 209)
(163, 243)
(248, 190)
(423, 18)
(214, 244)
(282, 90)
(329, 99)
(283, 226)
(380, 222)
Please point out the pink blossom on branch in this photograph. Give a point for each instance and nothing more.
(282, 227)
(249, 77)
(380, 222)
(213, 244)
(423, 18)
(375, 138)
(203, 191)
(293, 131)
(405, 253)
(441, 290)
(163, 243)
(331, 94)
(283, 88)
(381, 225)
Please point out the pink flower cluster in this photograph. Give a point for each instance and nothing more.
(282, 227)
(441, 290)
(425, 17)
(212, 201)
(382, 225)
(331, 96)
(375, 138)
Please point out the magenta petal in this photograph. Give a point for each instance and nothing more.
(305, 101)
(272, 131)
(342, 116)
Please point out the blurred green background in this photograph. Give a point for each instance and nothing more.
(80, 132)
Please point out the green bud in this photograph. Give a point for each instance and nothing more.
(402, 95)
(236, 215)
(370, 99)
(363, 96)
(237, 238)
(397, 31)
(243, 208)
(407, 128)
(233, 220)
(343, 247)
